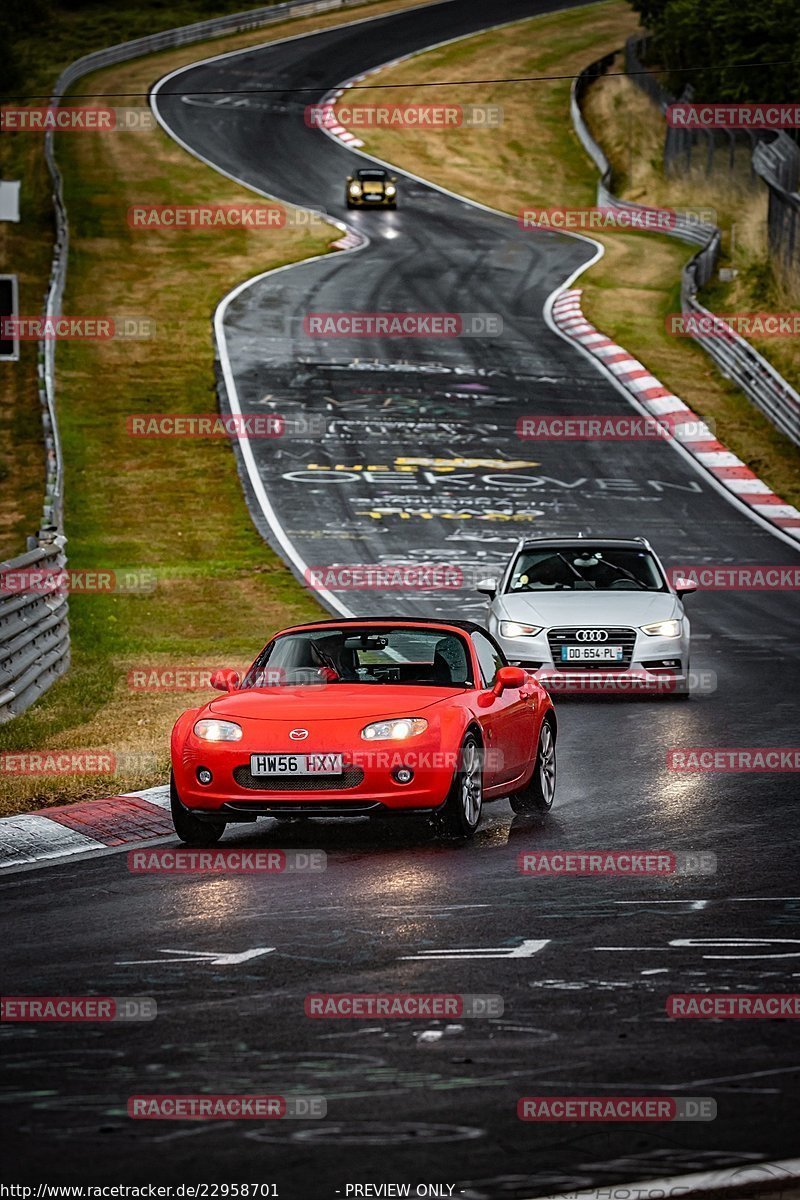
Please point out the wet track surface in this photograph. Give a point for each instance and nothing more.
(585, 1010)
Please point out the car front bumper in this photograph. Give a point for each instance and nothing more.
(656, 664)
(380, 202)
(367, 781)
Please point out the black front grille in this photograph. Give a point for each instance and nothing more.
(567, 636)
(350, 777)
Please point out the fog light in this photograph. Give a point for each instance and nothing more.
(402, 774)
(204, 775)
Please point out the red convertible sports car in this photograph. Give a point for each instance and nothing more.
(366, 717)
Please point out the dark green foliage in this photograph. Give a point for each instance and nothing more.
(722, 37)
(40, 37)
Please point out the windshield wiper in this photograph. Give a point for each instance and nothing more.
(623, 571)
(573, 568)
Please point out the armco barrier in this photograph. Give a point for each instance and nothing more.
(735, 357)
(778, 164)
(34, 630)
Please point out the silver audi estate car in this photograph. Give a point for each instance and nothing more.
(572, 605)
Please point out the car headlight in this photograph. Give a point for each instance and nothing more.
(211, 730)
(662, 629)
(395, 731)
(390, 189)
(513, 629)
(354, 189)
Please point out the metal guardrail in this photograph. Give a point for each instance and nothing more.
(34, 626)
(778, 164)
(686, 227)
(735, 357)
(773, 156)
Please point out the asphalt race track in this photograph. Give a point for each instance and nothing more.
(584, 966)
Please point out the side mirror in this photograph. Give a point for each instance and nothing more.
(487, 586)
(684, 587)
(509, 677)
(225, 680)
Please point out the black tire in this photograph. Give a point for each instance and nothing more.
(462, 809)
(188, 828)
(539, 792)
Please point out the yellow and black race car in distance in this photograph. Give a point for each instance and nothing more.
(371, 187)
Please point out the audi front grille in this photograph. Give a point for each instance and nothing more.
(568, 636)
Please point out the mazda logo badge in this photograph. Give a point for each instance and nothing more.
(591, 635)
(297, 735)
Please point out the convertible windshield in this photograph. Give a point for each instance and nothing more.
(590, 568)
(372, 175)
(369, 655)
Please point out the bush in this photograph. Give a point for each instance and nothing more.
(721, 37)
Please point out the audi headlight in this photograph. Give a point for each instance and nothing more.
(354, 189)
(513, 629)
(662, 629)
(394, 731)
(211, 730)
